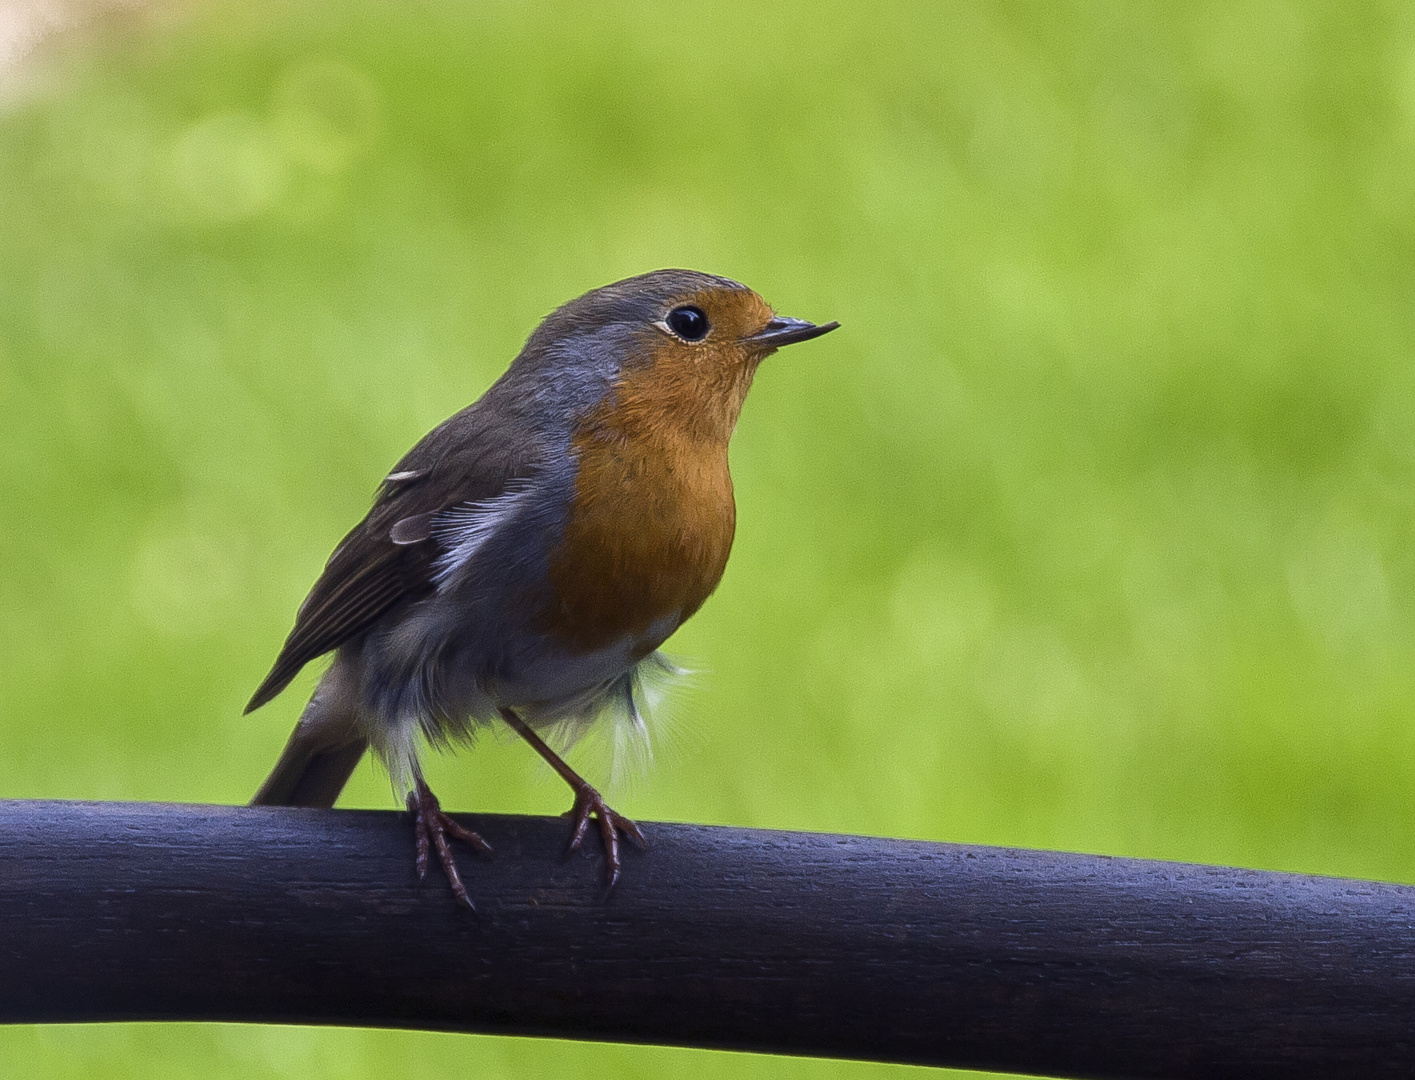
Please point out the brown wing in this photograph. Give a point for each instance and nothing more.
(388, 557)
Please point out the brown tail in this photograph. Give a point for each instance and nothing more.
(323, 751)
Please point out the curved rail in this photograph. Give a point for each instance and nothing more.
(796, 943)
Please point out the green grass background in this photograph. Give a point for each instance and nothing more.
(1092, 529)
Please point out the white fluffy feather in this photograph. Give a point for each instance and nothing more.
(466, 528)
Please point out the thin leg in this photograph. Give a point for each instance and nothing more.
(431, 828)
(588, 802)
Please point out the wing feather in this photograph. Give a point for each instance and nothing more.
(470, 458)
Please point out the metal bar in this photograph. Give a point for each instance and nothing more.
(795, 943)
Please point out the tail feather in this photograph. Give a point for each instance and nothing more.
(310, 777)
(324, 749)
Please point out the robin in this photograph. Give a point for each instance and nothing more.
(526, 559)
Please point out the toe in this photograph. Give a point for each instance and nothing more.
(611, 849)
(581, 810)
(632, 831)
(459, 831)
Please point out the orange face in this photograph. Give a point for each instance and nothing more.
(697, 386)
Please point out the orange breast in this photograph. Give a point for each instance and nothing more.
(650, 528)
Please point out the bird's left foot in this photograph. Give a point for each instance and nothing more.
(590, 803)
(432, 826)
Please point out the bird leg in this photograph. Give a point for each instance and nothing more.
(588, 803)
(431, 828)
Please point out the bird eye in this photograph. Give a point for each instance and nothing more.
(688, 322)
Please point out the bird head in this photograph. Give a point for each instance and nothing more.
(678, 347)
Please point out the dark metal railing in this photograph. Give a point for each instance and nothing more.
(795, 943)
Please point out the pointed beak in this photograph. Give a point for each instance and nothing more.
(782, 331)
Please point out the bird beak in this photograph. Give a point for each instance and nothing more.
(782, 331)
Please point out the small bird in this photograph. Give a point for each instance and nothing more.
(526, 559)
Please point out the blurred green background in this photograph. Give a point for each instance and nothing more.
(1092, 529)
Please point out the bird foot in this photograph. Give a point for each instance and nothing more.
(590, 803)
(431, 828)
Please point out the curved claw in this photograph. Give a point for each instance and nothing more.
(589, 803)
(431, 828)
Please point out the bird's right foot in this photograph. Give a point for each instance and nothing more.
(431, 828)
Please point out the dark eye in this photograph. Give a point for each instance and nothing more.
(688, 322)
